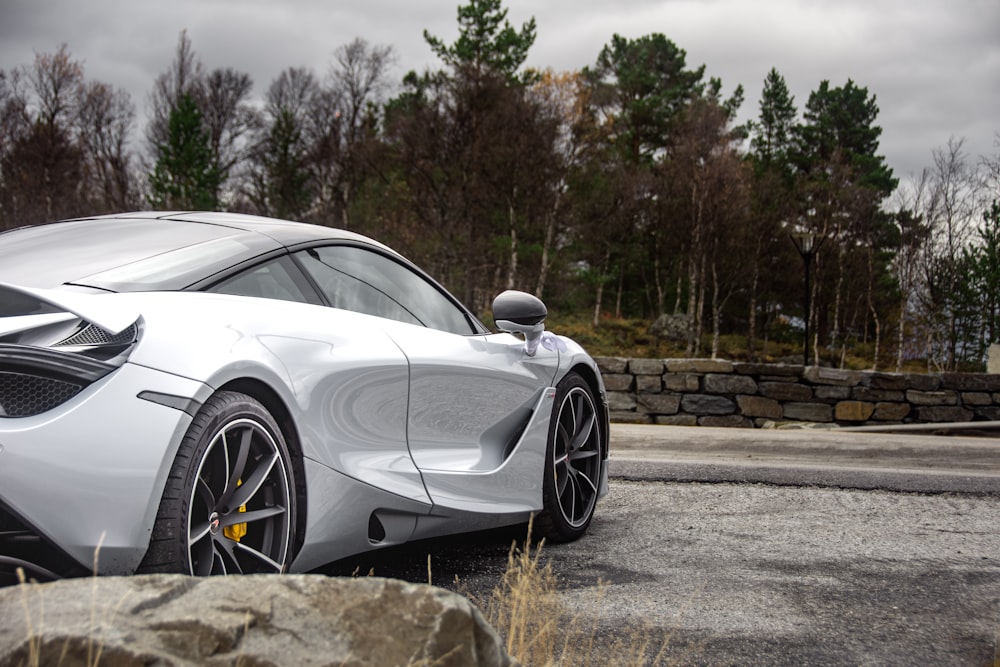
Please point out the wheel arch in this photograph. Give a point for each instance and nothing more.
(270, 399)
(593, 381)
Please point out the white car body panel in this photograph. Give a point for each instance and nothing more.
(75, 485)
(422, 431)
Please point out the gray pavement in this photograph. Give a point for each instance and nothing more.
(807, 457)
(818, 561)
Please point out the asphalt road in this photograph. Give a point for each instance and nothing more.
(731, 547)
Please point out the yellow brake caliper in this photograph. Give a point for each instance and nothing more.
(236, 531)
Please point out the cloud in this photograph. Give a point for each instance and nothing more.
(933, 66)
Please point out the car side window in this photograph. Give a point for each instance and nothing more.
(366, 282)
(270, 280)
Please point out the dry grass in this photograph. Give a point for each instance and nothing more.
(527, 610)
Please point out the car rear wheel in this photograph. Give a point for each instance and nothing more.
(572, 463)
(229, 502)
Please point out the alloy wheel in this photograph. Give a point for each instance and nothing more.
(238, 518)
(577, 457)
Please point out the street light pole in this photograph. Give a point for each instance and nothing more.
(807, 242)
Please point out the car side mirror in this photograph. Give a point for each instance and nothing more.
(521, 313)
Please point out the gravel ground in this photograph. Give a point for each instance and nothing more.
(740, 574)
(751, 574)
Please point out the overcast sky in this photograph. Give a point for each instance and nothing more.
(933, 65)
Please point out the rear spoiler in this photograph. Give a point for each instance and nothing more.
(111, 314)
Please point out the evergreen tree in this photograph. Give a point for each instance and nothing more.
(770, 202)
(839, 123)
(979, 291)
(841, 183)
(286, 165)
(487, 42)
(774, 131)
(185, 176)
(642, 85)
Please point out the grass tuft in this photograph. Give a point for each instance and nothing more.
(527, 610)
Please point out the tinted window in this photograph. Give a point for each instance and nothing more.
(270, 280)
(366, 282)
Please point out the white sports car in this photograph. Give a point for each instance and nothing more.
(213, 393)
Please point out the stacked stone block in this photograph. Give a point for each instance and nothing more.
(712, 392)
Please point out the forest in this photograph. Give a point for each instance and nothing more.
(622, 191)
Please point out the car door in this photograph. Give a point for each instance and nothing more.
(472, 395)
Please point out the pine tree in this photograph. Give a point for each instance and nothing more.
(285, 162)
(643, 85)
(185, 176)
(487, 41)
(774, 131)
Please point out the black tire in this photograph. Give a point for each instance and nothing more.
(573, 463)
(229, 502)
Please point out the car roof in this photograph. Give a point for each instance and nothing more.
(148, 250)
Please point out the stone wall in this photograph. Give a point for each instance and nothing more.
(709, 392)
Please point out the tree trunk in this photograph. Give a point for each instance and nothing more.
(692, 304)
(837, 298)
(600, 288)
(716, 312)
(657, 281)
(752, 319)
(618, 297)
(679, 291)
(550, 233)
(900, 339)
(345, 201)
(878, 336)
(512, 269)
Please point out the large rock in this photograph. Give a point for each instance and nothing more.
(660, 404)
(674, 328)
(891, 412)
(699, 366)
(785, 391)
(170, 620)
(611, 364)
(729, 384)
(645, 366)
(971, 381)
(758, 406)
(809, 412)
(697, 404)
(617, 381)
(832, 376)
(853, 411)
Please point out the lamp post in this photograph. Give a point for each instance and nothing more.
(807, 242)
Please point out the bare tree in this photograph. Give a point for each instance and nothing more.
(948, 209)
(705, 188)
(989, 174)
(279, 172)
(343, 116)
(560, 98)
(183, 76)
(55, 78)
(105, 119)
(913, 235)
(292, 91)
(41, 166)
(224, 102)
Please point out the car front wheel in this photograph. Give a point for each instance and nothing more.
(229, 502)
(572, 464)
